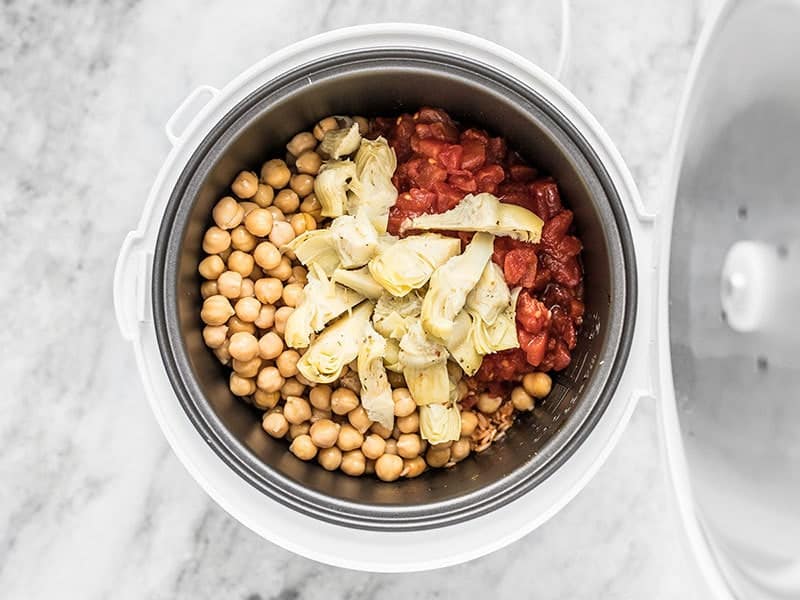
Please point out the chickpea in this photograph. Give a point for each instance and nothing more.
(259, 222)
(247, 309)
(222, 353)
(292, 387)
(320, 397)
(245, 184)
(310, 204)
(353, 463)
(287, 363)
(266, 400)
(216, 310)
(324, 126)
(488, 404)
(275, 424)
(409, 424)
(229, 284)
(302, 142)
(269, 379)
(349, 438)
(460, 450)
(241, 386)
(243, 346)
(248, 207)
(248, 288)
(270, 346)
(380, 430)
(287, 201)
(373, 446)
(298, 429)
(227, 213)
(537, 385)
(388, 467)
(299, 223)
(302, 185)
(324, 433)
(329, 458)
(343, 400)
(296, 410)
(391, 446)
(413, 467)
(247, 368)
(236, 325)
(212, 266)
(437, 456)
(275, 173)
(404, 404)
(521, 399)
(267, 256)
(359, 419)
(396, 380)
(277, 214)
(266, 317)
(409, 445)
(281, 234)
(216, 240)
(208, 289)
(268, 289)
(292, 294)
(283, 271)
(214, 335)
(243, 240)
(469, 422)
(281, 316)
(308, 163)
(299, 275)
(303, 448)
(264, 195)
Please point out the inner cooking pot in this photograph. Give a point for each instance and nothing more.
(388, 82)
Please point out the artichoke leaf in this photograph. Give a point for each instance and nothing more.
(424, 363)
(460, 344)
(372, 190)
(355, 239)
(439, 423)
(323, 300)
(331, 185)
(491, 295)
(376, 393)
(483, 212)
(340, 142)
(452, 282)
(391, 359)
(359, 280)
(393, 315)
(409, 263)
(336, 346)
(315, 247)
(488, 338)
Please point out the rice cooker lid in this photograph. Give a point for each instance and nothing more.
(733, 258)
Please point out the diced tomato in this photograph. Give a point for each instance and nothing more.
(497, 150)
(445, 131)
(465, 183)
(426, 114)
(532, 314)
(451, 157)
(502, 246)
(561, 357)
(546, 201)
(519, 266)
(489, 177)
(522, 173)
(446, 197)
(416, 201)
(555, 229)
(474, 134)
(396, 218)
(534, 346)
(429, 147)
(568, 246)
(474, 154)
(503, 366)
(429, 174)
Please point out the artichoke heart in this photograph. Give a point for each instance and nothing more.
(355, 239)
(372, 190)
(451, 283)
(340, 142)
(322, 301)
(488, 338)
(331, 186)
(359, 280)
(393, 315)
(376, 393)
(483, 212)
(316, 247)
(461, 346)
(336, 346)
(409, 263)
(424, 366)
(439, 423)
(391, 358)
(491, 295)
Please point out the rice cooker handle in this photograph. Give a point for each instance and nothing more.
(130, 286)
(188, 112)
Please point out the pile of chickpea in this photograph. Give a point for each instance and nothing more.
(249, 290)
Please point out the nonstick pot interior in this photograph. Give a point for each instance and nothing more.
(386, 83)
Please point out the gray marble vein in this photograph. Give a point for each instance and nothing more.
(93, 503)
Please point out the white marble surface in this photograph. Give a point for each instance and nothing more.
(93, 503)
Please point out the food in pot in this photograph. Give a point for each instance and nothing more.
(393, 293)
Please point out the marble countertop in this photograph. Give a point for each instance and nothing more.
(93, 502)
